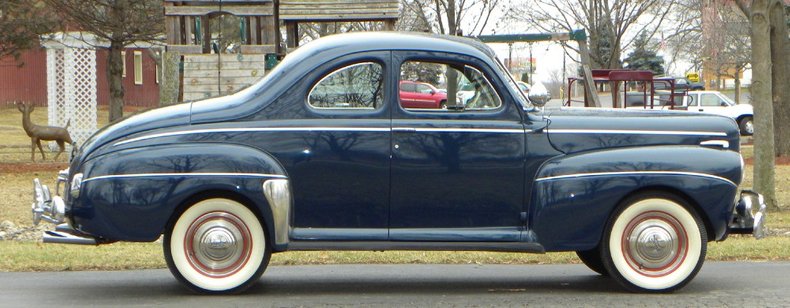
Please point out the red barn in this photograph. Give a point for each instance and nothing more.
(26, 79)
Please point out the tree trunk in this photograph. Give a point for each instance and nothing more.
(738, 87)
(452, 27)
(780, 51)
(764, 173)
(115, 80)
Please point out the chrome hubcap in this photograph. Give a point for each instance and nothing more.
(750, 127)
(218, 244)
(654, 244)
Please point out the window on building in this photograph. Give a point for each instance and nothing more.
(156, 71)
(138, 67)
(123, 59)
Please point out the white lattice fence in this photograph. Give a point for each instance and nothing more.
(71, 91)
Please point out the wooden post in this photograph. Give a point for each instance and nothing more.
(589, 84)
(292, 30)
(204, 21)
(389, 25)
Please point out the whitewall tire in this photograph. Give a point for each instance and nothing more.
(654, 243)
(217, 246)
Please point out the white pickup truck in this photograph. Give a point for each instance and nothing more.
(716, 103)
(713, 102)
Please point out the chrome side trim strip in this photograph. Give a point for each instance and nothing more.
(634, 132)
(318, 129)
(719, 143)
(460, 130)
(278, 193)
(255, 129)
(192, 174)
(580, 175)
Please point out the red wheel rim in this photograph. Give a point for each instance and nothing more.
(218, 244)
(654, 244)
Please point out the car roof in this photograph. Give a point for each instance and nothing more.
(348, 43)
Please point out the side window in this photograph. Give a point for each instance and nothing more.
(357, 86)
(710, 100)
(441, 86)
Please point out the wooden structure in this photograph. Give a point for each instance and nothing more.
(294, 12)
(209, 70)
(187, 26)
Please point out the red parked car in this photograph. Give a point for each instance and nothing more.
(421, 95)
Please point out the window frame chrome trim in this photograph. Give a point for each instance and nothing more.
(622, 173)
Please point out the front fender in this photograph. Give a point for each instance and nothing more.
(130, 195)
(574, 195)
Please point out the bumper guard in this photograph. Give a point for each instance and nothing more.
(52, 209)
(749, 215)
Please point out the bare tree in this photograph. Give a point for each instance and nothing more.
(764, 152)
(608, 22)
(119, 22)
(21, 22)
(453, 17)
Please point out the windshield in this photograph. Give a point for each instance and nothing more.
(520, 96)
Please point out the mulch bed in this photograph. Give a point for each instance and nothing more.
(781, 160)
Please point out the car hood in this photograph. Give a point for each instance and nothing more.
(574, 130)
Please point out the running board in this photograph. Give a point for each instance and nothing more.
(425, 246)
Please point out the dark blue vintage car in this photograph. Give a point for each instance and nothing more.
(320, 155)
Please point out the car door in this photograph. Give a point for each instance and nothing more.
(457, 174)
(333, 136)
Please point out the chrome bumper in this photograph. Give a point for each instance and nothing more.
(52, 209)
(749, 215)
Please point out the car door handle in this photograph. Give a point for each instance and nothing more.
(702, 110)
(404, 129)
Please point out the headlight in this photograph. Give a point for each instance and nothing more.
(76, 184)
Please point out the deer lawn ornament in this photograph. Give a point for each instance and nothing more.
(39, 132)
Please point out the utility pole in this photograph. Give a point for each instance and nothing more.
(529, 79)
(509, 57)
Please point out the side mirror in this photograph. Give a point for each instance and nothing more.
(539, 96)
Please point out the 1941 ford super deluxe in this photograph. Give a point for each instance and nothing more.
(321, 155)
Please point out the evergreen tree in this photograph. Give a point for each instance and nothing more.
(643, 59)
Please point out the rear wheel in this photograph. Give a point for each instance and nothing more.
(443, 104)
(592, 258)
(654, 243)
(747, 126)
(217, 246)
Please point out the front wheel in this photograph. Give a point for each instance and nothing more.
(217, 246)
(654, 243)
(592, 258)
(747, 126)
